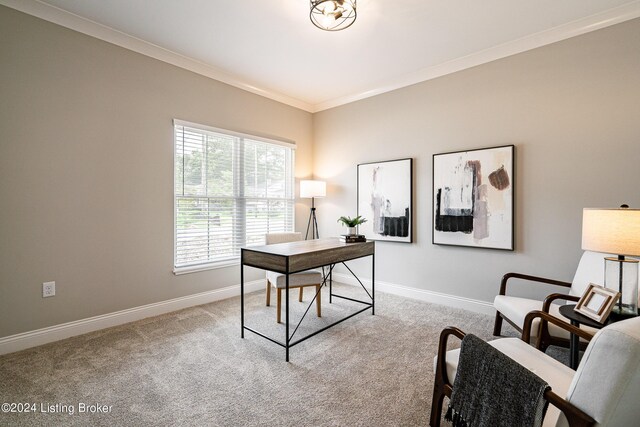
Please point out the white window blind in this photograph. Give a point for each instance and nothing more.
(230, 190)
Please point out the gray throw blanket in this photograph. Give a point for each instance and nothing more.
(493, 390)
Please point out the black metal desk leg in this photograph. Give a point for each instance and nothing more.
(330, 283)
(373, 284)
(287, 314)
(574, 347)
(242, 295)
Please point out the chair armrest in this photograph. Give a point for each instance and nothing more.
(441, 365)
(506, 277)
(575, 416)
(444, 385)
(550, 298)
(528, 321)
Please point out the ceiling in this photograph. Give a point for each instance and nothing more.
(271, 48)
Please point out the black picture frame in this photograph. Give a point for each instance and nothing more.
(385, 199)
(473, 198)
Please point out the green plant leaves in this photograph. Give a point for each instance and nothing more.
(352, 222)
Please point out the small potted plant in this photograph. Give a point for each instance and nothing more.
(351, 223)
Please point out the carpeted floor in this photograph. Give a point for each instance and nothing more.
(190, 367)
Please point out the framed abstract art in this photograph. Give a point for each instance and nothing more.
(385, 199)
(473, 198)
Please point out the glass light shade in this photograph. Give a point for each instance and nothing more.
(333, 15)
(613, 231)
(622, 275)
(312, 188)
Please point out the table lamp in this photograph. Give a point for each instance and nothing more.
(310, 189)
(616, 231)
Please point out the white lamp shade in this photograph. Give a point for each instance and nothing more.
(311, 188)
(614, 231)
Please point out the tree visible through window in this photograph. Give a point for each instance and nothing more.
(230, 190)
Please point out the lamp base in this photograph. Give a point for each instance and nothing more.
(621, 274)
(616, 317)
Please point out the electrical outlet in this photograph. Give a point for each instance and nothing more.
(48, 289)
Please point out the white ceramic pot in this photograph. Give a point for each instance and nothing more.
(351, 231)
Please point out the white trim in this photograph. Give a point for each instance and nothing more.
(42, 336)
(178, 271)
(77, 23)
(206, 128)
(572, 29)
(50, 334)
(477, 306)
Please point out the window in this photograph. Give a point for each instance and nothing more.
(230, 190)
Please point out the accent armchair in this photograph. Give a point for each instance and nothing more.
(514, 309)
(602, 391)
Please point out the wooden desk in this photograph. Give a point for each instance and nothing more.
(293, 257)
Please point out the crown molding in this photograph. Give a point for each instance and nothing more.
(575, 28)
(91, 28)
(572, 29)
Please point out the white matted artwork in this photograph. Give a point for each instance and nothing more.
(385, 194)
(473, 198)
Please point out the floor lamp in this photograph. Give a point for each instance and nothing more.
(310, 189)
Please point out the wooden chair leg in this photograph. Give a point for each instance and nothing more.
(318, 300)
(300, 293)
(497, 326)
(544, 338)
(268, 293)
(279, 306)
(436, 406)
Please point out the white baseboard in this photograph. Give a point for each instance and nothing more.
(42, 336)
(30, 339)
(474, 305)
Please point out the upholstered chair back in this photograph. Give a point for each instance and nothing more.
(607, 383)
(274, 238)
(590, 270)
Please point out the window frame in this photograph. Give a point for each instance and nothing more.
(235, 260)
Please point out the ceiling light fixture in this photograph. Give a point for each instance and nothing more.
(333, 15)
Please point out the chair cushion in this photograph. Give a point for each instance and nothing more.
(311, 277)
(516, 308)
(557, 375)
(590, 270)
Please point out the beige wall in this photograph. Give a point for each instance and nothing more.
(573, 111)
(86, 178)
(86, 163)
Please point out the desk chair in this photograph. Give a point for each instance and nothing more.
(296, 280)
